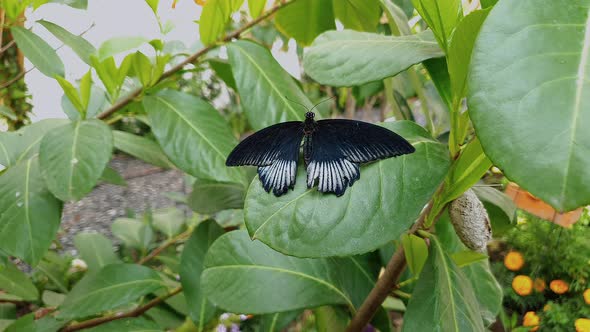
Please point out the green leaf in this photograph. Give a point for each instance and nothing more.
(95, 249)
(191, 266)
(8, 113)
(72, 157)
(153, 5)
(142, 66)
(339, 58)
(487, 290)
(331, 318)
(209, 197)
(193, 135)
(118, 45)
(277, 282)
(377, 209)
(15, 282)
(52, 299)
(114, 285)
(85, 90)
(488, 3)
(459, 55)
(111, 176)
(416, 252)
(169, 221)
(529, 98)
(29, 214)
(256, 7)
(398, 21)
(77, 43)
(223, 70)
(72, 93)
(142, 148)
(139, 324)
(264, 86)
(78, 4)
(467, 170)
(443, 299)
(96, 103)
(38, 52)
(133, 233)
(214, 18)
(304, 20)
(360, 15)
(442, 16)
(278, 321)
(501, 209)
(467, 257)
(55, 268)
(28, 323)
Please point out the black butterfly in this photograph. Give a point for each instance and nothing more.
(332, 152)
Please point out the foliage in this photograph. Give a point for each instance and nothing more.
(248, 252)
(555, 266)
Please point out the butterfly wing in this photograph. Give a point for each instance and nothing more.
(275, 151)
(339, 146)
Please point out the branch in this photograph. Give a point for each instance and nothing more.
(192, 58)
(165, 245)
(133, 313)
(388, 280)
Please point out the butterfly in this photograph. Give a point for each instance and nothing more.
(333, 149)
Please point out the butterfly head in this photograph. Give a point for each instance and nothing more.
(309, 115)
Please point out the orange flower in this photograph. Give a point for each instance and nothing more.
(587, 296)
(582, 325)
(539, 285)
(531, 320)
(513, 261)
(522, 285)
(559, 286)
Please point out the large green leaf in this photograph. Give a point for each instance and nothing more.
(277, 282)
(487, 290)
(442, 16)
(139, 324)
(77, 43)
(193, 135)
(264, 86)
(191, 267)
(24, 143)
(73, 157)
(378, 208)
(41, 54)
(29, 213)
(305, 19)
(95, 249)
(443, 299)
(529, 97)
(361, 15)
(15, 282)
(142, 148)
(114, 285)
(346, 58)
(459, 54)
(209, 197)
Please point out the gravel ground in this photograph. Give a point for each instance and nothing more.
(95, 212)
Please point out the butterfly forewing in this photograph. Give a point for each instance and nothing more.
(339, 146)
(275, 151)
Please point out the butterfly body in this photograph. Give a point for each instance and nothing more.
(332, 152)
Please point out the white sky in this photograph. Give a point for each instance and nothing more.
(113, 18)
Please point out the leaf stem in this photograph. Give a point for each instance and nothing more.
(133, 313)
(166, 244)
(388, 280)
(192, 58)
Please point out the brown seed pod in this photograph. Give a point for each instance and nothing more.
(471, 222)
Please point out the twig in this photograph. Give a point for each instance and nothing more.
(388, 280)
(192, 58)
(165, 245)
(133, 313)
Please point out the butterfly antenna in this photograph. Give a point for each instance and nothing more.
(298, 103)
(316, 105)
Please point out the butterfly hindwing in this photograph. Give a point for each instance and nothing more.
(339, 146)
(275, 151)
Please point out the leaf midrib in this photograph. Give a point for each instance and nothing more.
(34, 46)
